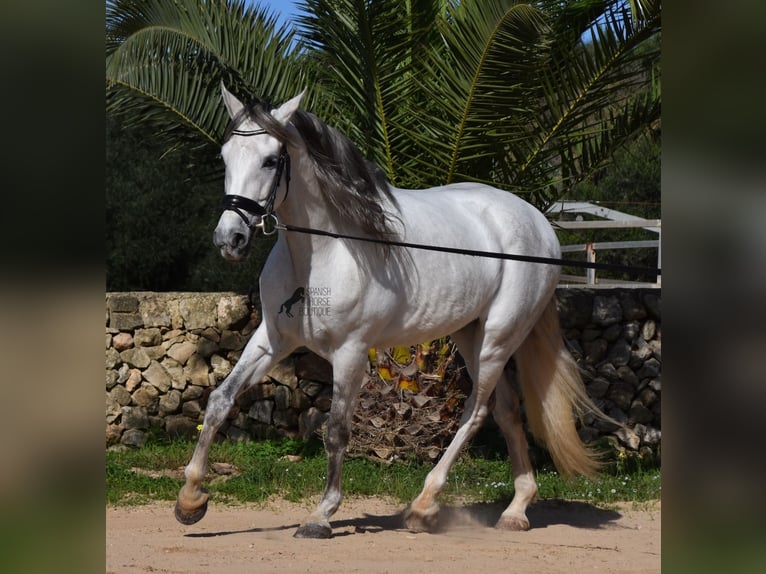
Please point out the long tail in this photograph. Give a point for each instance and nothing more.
(554, 394)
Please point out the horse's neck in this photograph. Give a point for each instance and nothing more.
(304, 207)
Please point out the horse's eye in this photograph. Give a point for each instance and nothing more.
(270, 162)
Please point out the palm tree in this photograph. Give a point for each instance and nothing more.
(165, 60)
(531, 96)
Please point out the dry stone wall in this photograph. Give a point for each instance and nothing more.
(166, 352)
(615, 336)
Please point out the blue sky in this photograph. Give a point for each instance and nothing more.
(285, 10)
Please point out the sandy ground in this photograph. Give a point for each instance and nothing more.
(368, 537)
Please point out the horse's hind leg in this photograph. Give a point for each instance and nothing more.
(507, 415)
(348, 376)
(485, 355)
(257, 360)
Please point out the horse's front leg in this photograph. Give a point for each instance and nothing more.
(258, 357)
(348, 376)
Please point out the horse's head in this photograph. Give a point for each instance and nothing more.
(257, 173)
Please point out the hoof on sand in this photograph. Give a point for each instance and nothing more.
(422, 521)
(187, 517)
(313, 530)
(515, 523)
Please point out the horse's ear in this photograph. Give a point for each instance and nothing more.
(284, 112)
(233, 105)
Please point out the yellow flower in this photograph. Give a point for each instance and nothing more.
(199, 428)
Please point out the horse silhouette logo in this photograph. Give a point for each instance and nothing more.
(296, 297)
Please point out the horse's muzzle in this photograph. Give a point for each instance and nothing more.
(233, 244)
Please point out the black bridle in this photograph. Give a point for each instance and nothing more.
(242, 205)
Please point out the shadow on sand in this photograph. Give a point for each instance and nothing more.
(541, 514)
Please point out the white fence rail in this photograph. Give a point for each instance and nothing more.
(617, 220)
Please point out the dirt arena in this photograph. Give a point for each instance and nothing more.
(368, 538)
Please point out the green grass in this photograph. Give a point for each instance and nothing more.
(264, 472)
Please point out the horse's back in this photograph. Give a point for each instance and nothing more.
(440, 293)
(475, 216)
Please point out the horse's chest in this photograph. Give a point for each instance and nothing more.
(311, 307)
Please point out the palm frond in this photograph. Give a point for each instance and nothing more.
(528, 96)
(166, 58)
(363, 53)
(476, 83)
(594, 97)
(517, 98)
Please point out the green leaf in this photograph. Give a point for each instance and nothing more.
(165, 60)
(529, 97)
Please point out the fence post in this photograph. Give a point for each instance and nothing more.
(659, 257)
(590, 257)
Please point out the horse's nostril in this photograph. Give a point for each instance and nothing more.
(238, 240)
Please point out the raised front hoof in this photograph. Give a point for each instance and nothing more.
(313, 530)
(419, 521)
(188, 514)
(513, 523)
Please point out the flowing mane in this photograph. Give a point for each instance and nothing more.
(353, 186)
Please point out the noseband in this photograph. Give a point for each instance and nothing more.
(242, 205)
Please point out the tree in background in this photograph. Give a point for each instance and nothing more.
(165, 61)
(434, 91)
(530, 97)
(160, 219)
(628, 181)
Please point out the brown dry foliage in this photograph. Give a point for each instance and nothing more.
(414, 413)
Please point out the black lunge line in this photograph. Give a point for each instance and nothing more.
(491, 254)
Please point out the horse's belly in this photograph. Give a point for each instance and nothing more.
(436, 303)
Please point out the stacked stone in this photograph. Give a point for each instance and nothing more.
(165, 353)
(615, 336)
